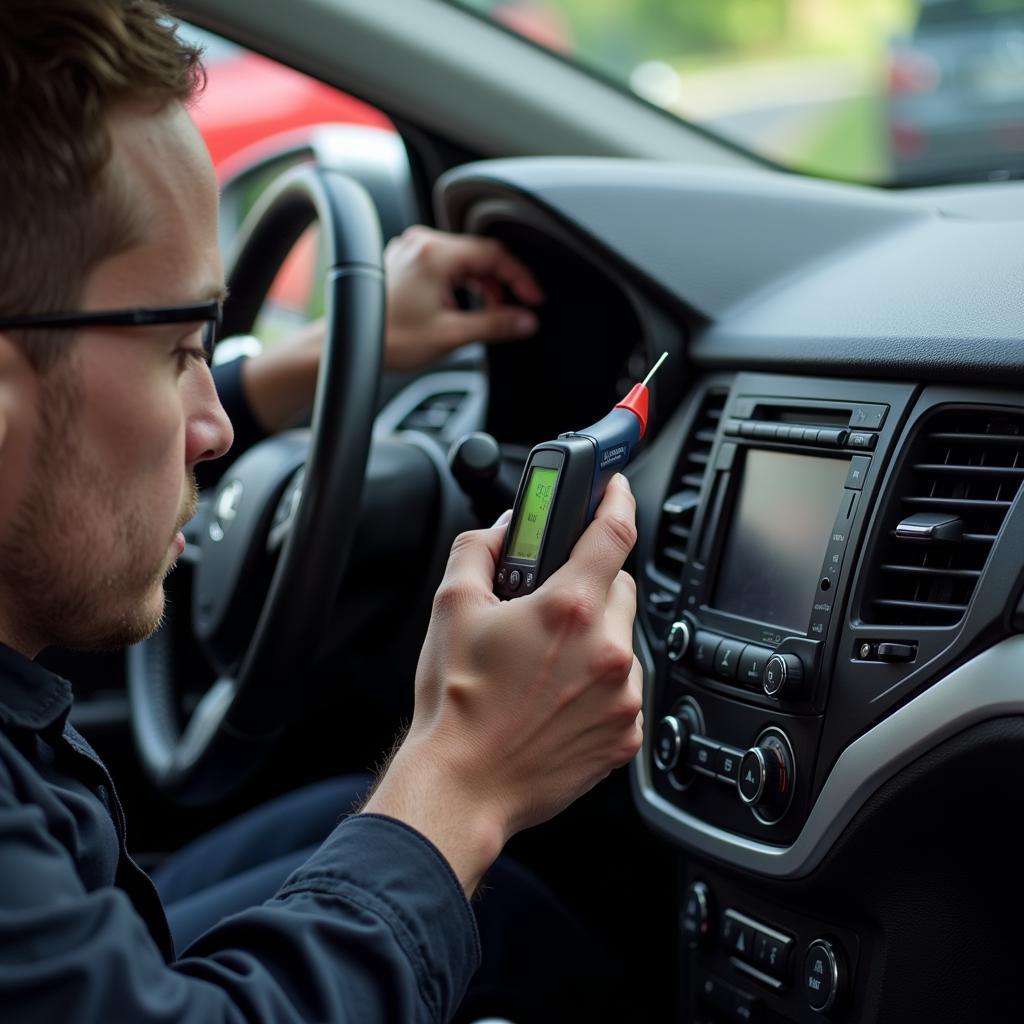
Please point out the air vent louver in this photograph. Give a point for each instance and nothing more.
(680, 506)
(966, 463)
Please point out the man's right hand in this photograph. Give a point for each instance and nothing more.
(521, 706)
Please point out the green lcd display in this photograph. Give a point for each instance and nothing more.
(533, 515)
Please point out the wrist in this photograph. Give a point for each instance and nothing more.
(420, 791)
(279, 384)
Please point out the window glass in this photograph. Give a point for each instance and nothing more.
(885, 91)
(252, 108)
(249, 99)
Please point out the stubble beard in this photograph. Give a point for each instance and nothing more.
(65, 589)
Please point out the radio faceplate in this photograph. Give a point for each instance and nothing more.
(765, 569)
(790, 484)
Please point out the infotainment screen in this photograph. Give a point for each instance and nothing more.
(776, 541)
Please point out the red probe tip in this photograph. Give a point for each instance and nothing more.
(636, 403)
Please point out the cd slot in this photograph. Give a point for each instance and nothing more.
(805, 417)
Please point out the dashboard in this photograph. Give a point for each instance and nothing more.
(829, 566)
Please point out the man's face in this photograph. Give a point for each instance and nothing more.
(97, 456)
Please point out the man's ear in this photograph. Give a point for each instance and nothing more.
(5, 386)
(16, 380)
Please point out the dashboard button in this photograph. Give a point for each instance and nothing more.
(670, 736)
(858, 470)
(742, 942)
(783, 676)
(771, 954)
(727, 659)
(753, 770)
(777, 956)
(695, 918)
(834, 437)
(732, 428)
(737, 936)
(823, 975)
(861, 439)
(702, 754)
(727, 766)
(704, 646)
(752, 662)
(678, 640)
(748, 429)
(868, 417)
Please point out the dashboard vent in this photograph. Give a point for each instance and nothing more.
(431, 416)
(680, 506)
(963, 472)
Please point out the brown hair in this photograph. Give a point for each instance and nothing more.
(64, 66)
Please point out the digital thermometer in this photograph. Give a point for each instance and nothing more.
(560, 489)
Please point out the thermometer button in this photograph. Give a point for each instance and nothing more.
(515, 577)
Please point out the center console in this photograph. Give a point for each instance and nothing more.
(834, 566)
(742, 685)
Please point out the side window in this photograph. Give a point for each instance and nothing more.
(256, 113)
(250, 99)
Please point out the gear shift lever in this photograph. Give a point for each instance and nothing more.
(477, 466)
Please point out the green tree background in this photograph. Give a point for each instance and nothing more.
(702, 38)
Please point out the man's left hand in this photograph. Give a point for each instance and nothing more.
(422, 270)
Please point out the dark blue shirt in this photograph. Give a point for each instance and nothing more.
(373, 927)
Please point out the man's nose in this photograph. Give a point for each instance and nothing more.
(208, 431)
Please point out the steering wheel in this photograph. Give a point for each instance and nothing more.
(294, 497)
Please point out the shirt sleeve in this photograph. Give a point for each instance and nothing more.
(227, 377)
(374, 927)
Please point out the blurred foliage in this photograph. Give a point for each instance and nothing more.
(806, 84)
(732, 56)
(618, 34)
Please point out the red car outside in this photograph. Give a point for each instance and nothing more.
(249, 98)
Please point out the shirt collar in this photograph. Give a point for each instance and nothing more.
(31, 697)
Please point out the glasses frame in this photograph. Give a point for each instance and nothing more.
(209, 313)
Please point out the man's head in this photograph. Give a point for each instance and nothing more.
(108, 201)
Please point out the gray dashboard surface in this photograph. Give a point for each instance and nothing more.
(791, 273)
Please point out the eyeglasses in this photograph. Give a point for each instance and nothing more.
(209, 313)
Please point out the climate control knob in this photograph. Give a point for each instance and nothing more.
(677, 642)
(783, 676)
(671, 737)
(768, 776)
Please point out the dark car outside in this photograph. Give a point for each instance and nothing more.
(956, 92)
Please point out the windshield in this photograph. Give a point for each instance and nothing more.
(877, 91)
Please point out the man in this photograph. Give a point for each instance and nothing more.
(108, 202)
